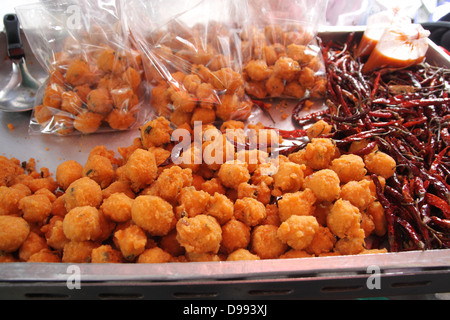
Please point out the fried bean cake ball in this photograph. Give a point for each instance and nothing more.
(220, 207)
(13, 233)
(380, 164)
(33, 244)
(45, 256)
(344, 219)
(235, 235)
(233, 173)
(88, 122)
(53, 96)
(153, 214)
(109, 61)
(325, 184)
(266, 243)
(349, 167)
(43, 114)
(295, 254)
(106, 254)
(289, 177)
(120, 119)
(7, 257)
(351, 245)
(318, 129)
(156, 133)
(203, 115)
(78, 252)
(250, 211)
(323, 242)
(317, 155)
(191, 83)
(100, 101)
(54, 233)
(171, 181)
(9, 200)
(99, 169)
(71, 102)
(154, 255)
(294, 89)
(117, 207)
(82, 224)
(298, 231)
(211, 186)
(200, 234)
(35, 208)
(260, 192)
(79, 73)
(306, 78)
(258, 70)
(67, 172)
(274, 86)
(63, 123)
(242, 254)
(358, 193)
(200, 257)
(9, 168)
(301, 203)
(83, 192)
(192, 202)
(141, 169)
(131, 241)
(286, 69)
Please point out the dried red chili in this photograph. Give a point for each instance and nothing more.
(406, 114)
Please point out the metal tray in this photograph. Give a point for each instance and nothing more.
(397, 274)
(343, 277)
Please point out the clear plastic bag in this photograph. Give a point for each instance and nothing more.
(192, 57)
(281, 55)
(95, 76)
(202, 57)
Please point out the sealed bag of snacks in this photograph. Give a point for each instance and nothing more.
(280, 53)
(191, 53)
(95, 81)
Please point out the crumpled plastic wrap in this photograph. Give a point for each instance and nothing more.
(95, 76)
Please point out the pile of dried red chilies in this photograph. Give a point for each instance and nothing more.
(406, 113)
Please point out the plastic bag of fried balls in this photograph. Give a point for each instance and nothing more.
(84, 95)
(282, 62)
(192, 82)
(276, 63)
(95, 76)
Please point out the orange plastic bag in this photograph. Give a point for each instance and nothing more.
(376, 26)
(399, 47)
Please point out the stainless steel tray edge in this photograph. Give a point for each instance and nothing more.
(415, 261)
